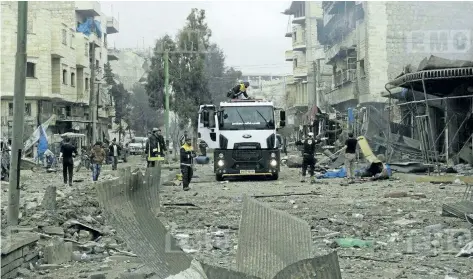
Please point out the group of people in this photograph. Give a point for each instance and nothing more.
(156, 149)
(309, 161)
(97, 155)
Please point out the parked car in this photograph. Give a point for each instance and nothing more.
(137, 145)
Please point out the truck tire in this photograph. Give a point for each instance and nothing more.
(275, 176)
(219, 177)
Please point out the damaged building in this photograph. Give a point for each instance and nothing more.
(436, 110)
(368, 44)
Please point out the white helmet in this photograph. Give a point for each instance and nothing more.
(311, 134)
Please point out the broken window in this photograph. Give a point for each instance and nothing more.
(30, 69)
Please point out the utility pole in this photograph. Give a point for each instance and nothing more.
(166, 94)
(18, 115)
(93, 95)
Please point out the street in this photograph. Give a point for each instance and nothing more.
(410, 237)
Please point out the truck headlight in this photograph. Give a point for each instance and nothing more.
(273, 163)
(273, 155)
(220, 155)
(220, 163)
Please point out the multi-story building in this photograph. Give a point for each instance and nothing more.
(306, 54)
(368, 44)
(58, 77)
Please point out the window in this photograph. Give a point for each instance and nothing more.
(64, 77)
(30, 69)
(73, 79)
(362, 68)
(87, 84)
(28, 109)
(64, 37)
(72, 40)
(86, 50)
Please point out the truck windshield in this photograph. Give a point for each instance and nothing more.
(248, 118)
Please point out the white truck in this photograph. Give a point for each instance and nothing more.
(243, 136)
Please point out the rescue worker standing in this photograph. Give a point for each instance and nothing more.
(308, 159)
(155, 147)
(187, 155)
(239, 91)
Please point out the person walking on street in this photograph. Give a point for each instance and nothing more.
(187, 155)
(114, 153)
(97, 156)
(308, 159)
(350, 156)
(155, 147)
(68, 152)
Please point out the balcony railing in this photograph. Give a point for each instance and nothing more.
(344, 76)
(88, 8)
(112, 25)
(300, 71)
(289, 55)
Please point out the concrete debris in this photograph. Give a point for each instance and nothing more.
(410, 237)
(263, 247)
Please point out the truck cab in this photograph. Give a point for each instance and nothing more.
(243, 136)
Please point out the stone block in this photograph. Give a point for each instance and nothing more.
(97, 276)
(12, 256)
(58, 253)
(12, 266)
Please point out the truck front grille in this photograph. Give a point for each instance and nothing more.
(242, 155)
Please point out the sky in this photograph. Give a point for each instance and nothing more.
(251, 34)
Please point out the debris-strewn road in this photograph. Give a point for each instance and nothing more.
(411, 238)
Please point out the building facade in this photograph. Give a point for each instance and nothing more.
(309, 73)
(58, 78)
(370, 43)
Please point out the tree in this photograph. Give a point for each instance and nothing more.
(155, 80)
(191, 87)
(143, 117)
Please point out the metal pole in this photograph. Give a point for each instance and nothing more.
(427, 107)
(18, 116)
(93, 99)
(166, 94)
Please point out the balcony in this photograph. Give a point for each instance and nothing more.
(102, 113)
(88, 8)
(289, 55)
(344, 77)
(298, 20)
(112, 25)
(82, 50)
(290, 79)
(300, 72)
(112, 55)
(93, 38)
(59, 39)
(299, 45)
(288, 34)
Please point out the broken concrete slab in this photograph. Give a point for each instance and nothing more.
(264, 247)
(58, 252)
(214, 272)
(52, 230)
(130, 206)
(49, 199)
(323, 267)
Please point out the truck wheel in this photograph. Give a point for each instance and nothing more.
(219, 177)
(275, 176)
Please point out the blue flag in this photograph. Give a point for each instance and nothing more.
(43, 141)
